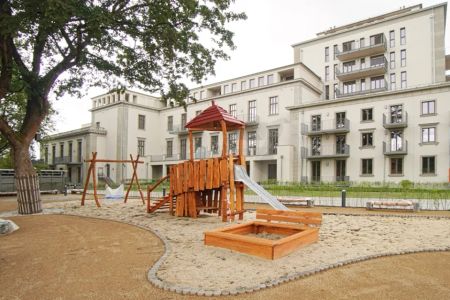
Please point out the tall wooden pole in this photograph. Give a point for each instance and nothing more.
(191, 146)
(223, 125)
(241, 146)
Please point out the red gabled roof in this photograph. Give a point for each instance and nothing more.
(210, 118)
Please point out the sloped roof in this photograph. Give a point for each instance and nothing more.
(210, 118)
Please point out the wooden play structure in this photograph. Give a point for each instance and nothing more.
(206, 185)
(244, 237)
(91, 172)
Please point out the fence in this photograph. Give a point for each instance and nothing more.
(49, 180)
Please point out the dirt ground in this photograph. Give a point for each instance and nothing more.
(65, 257)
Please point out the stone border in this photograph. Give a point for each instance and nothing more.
(183, 290)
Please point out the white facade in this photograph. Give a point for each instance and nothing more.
(383, 115)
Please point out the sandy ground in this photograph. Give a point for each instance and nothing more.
(64, 257)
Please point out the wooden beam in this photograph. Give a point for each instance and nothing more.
(223, 125)
(191, 146)
(113, 160)
(241, 147)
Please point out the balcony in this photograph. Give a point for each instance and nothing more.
(67, 160)
(376, 68)
(340, 94)
(178, 129)
(325, 152)
(373, 49)
(250, 120)
(395, 121)
(332, 126)
(395, 148)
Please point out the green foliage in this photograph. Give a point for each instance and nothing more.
(406, 184)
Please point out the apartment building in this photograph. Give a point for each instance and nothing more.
(367, 101)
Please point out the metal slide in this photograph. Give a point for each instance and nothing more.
(241, 175)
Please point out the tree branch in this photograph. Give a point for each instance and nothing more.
(7, 132)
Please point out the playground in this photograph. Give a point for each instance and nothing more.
(203, 239)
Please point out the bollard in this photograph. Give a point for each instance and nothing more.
(343, 197)
(164, 192)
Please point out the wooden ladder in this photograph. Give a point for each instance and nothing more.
(161, 203)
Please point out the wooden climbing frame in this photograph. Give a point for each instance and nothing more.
(91, 171)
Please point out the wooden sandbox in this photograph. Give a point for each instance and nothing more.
(244, 237)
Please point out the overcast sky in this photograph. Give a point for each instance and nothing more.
(263, 41)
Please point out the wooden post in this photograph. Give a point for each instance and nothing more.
(94, 179)
(86, 183)
(223, 125)
(191, 146)
(241, 147)
(231, 184)
(223, 200)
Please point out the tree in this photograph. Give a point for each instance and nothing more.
(65, 46)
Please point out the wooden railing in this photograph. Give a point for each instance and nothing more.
(150, 188)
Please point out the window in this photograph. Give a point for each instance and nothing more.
(376, 39)
(243, 85)
(396, 166)
(202, 94)
(109, 99)
(392, 39)
(392, 60)
(327, 92)
(141, 122)
(70, 151)
(170, 123)
(233, 88)
(195, 95)
(214, 144)
(367, 166)
(335, 51)
(362, 63)
(61, 150)
(183, 149)
(327, 54)
(226, 89)
(396, 114)
(198, 147)
(362, 42)
(141, 147)
(403, 84)
(252, 111)
(79, 150)
(233, 110)
(428, 107)
(348, 66)
(127, 98)
(273, 105)
(183, 120)
(46, 155)
(428, 165)
(340, 120)
(363, 85)
(316, 122)
(341, 147)
(134, 99)
(377, 82)
(260, 81)
(335, 90)
(270, 79)
(169, 149)
(349, 87)
(316, 142)
(392, 81)
(403, 58)
(232, 140)
(327, 73)
(348, 46)
(367, 114)
(396, 141)
(377, 60)
(428, 134)
(336, 71)
(113, 98)
(251, 143)
(273, 140)
(402, 36)
(252, 83)
(367, 139)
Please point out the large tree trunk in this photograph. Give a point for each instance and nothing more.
(27, 181)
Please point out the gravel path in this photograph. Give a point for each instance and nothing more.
(190, 267)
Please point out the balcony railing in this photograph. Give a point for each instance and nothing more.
(341, 151)
(178, 129)
(372, 49)
(375, 68)
(67, 160)
(340, 94)
(395, 121)
(326, 127)
(250, 120)
(395, 147)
